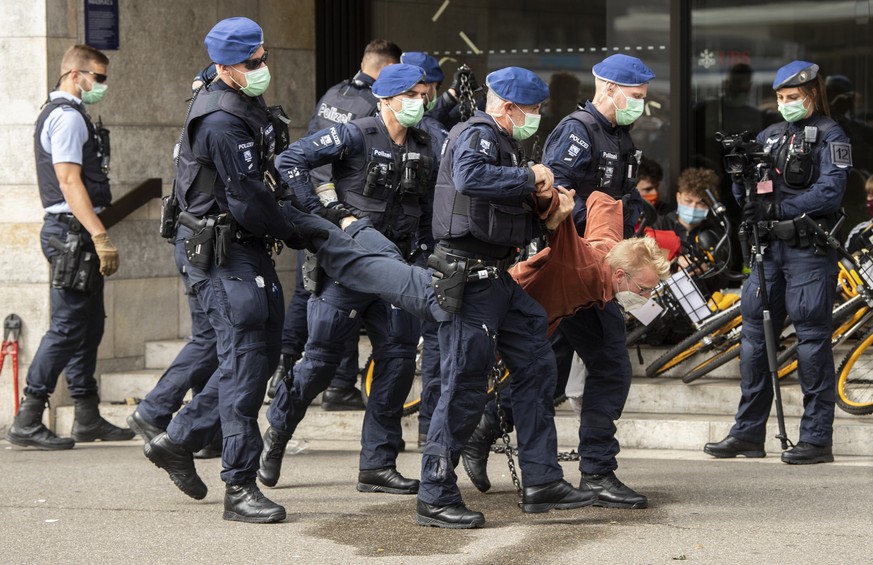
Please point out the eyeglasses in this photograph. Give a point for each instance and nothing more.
(252, 64)
(642, 289)
(101, 78)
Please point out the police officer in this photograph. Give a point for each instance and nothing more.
(481, 203)
(430, 354)
(224, 160)
(811, 158)
(383, 170)
(71, 168)
(197, 360)
(591, 149)
(343, 102)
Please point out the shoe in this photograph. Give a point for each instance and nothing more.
(246, 503)
(89, 426)
(386, 480)
(475, 453)
(806, 454)
(559, 495)
(141, 427)
(178, 463)
(272, 455)
(337, 399)
(212, 450)
(27, 429)
(422, 441)
(286, 362)
(611, 492)
(731, 447)
(457, 516)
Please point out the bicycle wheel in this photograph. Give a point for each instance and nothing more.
(855, 379)
(730, 353)
(709, 335)
(635, 334)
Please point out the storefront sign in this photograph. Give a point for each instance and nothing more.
(101, 24)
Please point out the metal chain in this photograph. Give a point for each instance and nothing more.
(466, 104)
(572, 455)
(504, 430)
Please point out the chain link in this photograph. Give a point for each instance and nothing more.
(466, 105)
(572, 455)
(504, 430)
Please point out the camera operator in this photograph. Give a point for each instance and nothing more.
(800, 167)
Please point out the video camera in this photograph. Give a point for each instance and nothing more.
(745, 157)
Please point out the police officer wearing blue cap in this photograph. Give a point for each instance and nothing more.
(591, 149)
(811, 158)
(430, 354)
(482, 204)
(231, 219)
(382, 167)
(348, 100)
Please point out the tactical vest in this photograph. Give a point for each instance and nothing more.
(795, 159)
(389, 187)
(349, 100)
(196, 176)
(615, 158)
(95, 180)
(503, 222)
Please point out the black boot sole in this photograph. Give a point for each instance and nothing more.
(180, 484)
(480, 486)
(751, 454)
(623, 505)
(434, 522)
(121, 435)
(364, 487)
(538, 508)
(25, 442)
(810, 461)
(269, 519)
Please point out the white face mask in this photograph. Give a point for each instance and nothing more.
(629, 300)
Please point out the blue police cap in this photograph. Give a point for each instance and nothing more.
(623, 70)
(518, 85)
(233, 40)
(397, 79)
(432, 70)
(795, 73)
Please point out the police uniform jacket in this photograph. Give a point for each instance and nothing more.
(586, 152)
(368, 169)
(229, 138)
(483, 197)
(814, 184)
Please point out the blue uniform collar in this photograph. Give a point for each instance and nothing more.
(55, 94)
(364, 78)
(607, 125)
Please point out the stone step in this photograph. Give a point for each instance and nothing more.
(674, 431)
(118, 386)
(159, 354)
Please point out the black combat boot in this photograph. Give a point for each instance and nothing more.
(275, 443)
(342, 399)
(88, 425)
(246, 503)
(286, 363)
(475, 453)
(28, 430)
(178, 462)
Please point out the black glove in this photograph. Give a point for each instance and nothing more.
(464, 70)
(334, 212)
(627, 207)
(755, 211)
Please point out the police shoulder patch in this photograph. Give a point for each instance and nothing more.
(247, 157)
(841, 154)
(574, 145)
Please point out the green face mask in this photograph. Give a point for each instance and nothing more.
(95, 95)
(431, 103)
(411, 111)
(793, 111)
(257, 81)
(531, 124)
(632, 110)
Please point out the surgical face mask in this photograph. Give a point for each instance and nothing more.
(531, 124)
(411, 111)
(629, 300)
(690, 214)
(95, 95)
(793, 111)
(651, 197)
(257, 81)
(632, 110)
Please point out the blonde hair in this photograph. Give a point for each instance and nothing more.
(868, 187)
(635, 254)
(79, 56)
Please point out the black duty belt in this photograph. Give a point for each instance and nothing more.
(475, 264)
(67, 219)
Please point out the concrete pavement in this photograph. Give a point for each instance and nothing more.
(105, 503)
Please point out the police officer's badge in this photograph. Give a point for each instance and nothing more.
(575, 146)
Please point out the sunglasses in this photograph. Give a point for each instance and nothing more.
(252, 64)
(101, 78)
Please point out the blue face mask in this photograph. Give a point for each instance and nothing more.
(691, 215)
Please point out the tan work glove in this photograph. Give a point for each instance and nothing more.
(107, 253)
